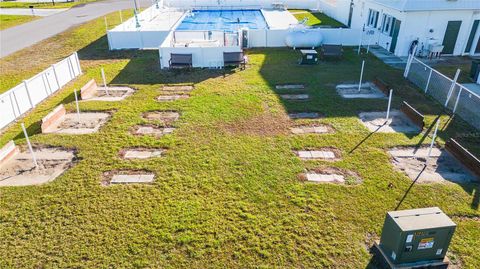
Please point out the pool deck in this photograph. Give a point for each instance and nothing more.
(153, 19)
(278, 19)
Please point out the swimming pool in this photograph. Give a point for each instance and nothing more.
(223, 20)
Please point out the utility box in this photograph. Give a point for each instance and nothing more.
(309, 57)
(417, 235)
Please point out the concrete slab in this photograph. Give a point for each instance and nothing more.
(316, 154)
(441, 168)
(21, 171)
(178, 88)
(321, 129)
(115, 94)
(367, 91)
(132, 179)
(141, 153)
(325, 178)
(169, 98)
(305, 115)
(290, 87)
(152, 130)
(85, 123)
(295, 97)
(162, 116)
(398, 122)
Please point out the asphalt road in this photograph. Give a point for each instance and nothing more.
(22, 36)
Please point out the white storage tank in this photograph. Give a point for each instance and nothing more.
(305, 38)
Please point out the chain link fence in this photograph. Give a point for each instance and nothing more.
(454, 96)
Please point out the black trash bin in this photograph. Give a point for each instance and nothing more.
(475, 70)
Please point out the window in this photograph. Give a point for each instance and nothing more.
(372, 18)
(387, 24)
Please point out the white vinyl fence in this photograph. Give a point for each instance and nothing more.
(25, 96)
(452, 95)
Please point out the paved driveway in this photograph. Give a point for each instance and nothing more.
(25, 35)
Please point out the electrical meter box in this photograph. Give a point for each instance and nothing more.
(416, 235)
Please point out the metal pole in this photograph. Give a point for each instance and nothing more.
(121, 17)
(454, 82)
(369, 42)
(389, 105)
(428, 81)
(361, 76)
(106, 24)
(29, 146)
(105, 83)
(433, 142)
(361, 40)
(76, 102)
(456, 101)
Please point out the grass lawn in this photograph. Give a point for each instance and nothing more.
(226, 194)
(316, 19)
(11, 4)
(7, 21)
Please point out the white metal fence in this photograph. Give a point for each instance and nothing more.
(452, 95)
(25, 96)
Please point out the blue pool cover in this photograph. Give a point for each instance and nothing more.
(223, 20)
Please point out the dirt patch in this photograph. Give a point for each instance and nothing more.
(170, 98)
(266, 124)
(141, 153)
(330, 175)
(127, 177)
(367, 91)
(21, 171)
(151, 130)
(325, 154)
(83, 123)
(398, 122)
(164, 117)
(313, 128)
(441, 168)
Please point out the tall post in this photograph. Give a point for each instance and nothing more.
(361, 76)
(361, 41)
(105, 86)
(389, 105)
(409, 62)
(433, 142)
(76, 103)
(121, 17)
(452, 87)
(29, 146)
(106, 23)
(456, 101)
(428, 81)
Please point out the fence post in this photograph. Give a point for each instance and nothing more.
(13, 107)
(428, 81)
(409, 62)
(70, 68)
(433, 142)
(29, 146)
(452, 87)
(16, 102)
(361, 76)
(456, 101)
(45, 85)
(389, 105)
(56, 77)
(78, 63)
(28, 94)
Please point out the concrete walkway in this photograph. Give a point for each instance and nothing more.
(388, 57)
(28, 12)
(22, 36)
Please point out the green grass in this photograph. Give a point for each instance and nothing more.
(226, 194)
(7, 21)
(316, 19)
(49, 5)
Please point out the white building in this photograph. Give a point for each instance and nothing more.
(453, 24)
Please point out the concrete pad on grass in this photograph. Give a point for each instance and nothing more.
(141, 153)
(170, 98)
(21, 171)
(177, 88)
(305, 115)
(320, 129)
(295, 97)
(152, 130)
(398, 122)
(132, 179)
(162, 116)
(290, 87)
(442, 167)
(330, 175)
(367, 91)
(321, 154)
(115, 94)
